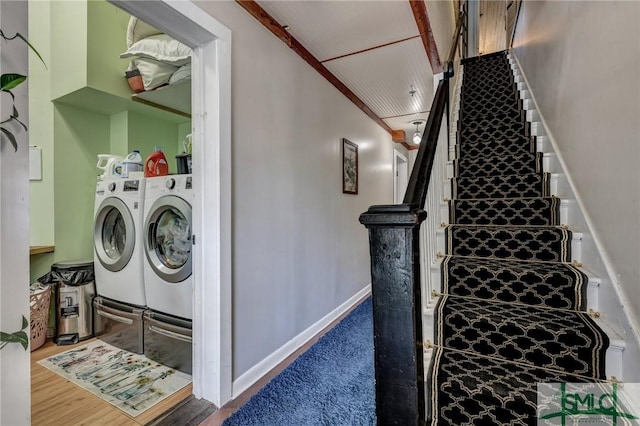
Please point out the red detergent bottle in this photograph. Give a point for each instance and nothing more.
(156, 164)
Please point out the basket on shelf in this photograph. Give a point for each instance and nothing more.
(40, 297)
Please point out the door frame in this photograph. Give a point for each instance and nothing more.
(397, 155)
(211, 130)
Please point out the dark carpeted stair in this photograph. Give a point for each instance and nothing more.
(493, 149)
(512, 310)
(538, 211)
(558, 339)
(541, 243)
(471, 389)
(519, 164)
(555, 285)
(510, 186)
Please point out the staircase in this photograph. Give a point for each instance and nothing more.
(513, 308)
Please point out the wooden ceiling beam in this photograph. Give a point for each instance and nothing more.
(279, 31)
(426, 32)
(399, 136)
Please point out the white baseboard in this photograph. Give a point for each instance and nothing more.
(256, 372)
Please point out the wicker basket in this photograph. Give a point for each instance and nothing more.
(39, 301)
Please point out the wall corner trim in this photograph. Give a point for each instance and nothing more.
(259, 370)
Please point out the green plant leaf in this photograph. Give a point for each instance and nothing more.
(21, 37)
(9, 81)
(23, 339)
(32, 48)
(13, 97)
(11, 138)
(24, 126)
(17, 337)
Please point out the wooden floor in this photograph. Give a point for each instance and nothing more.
(56, 401)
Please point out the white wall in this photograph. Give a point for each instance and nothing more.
(299, 250)
(15, 402)
(582, 62)
(442, 16)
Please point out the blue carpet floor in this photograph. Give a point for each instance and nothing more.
(330, 384)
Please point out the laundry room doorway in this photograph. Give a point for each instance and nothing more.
(211, 138)
(99, 127)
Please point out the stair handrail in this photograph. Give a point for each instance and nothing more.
(419, 181)
(416, 193)
(394, 238)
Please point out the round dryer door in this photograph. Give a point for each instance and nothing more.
(114, 234)
(168, 238)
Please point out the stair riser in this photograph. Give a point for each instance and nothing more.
(542, 244)
(514, 186)
(517, 212)
(556, 189)
(563, 212)
(508, 132)
(516, 146)
(496, 166)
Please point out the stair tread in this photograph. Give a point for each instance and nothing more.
(540, 336)
(552, 284)
(545, 243)
(471, 135)
(468, 388)
(487, 149)
(540, 211)
(513, 164)
(510, 186)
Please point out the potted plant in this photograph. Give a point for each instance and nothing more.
(8, 82)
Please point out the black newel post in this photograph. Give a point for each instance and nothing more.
(397, 322)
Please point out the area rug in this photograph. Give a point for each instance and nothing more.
(330, 384)
(131, 382)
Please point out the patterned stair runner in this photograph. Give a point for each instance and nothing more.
(512, 310)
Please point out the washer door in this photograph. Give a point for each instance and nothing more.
(114, 234)
(168, 238)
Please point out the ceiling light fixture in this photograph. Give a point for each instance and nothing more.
(417, 136)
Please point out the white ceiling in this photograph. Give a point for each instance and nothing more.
(385, 54)
(381, 77)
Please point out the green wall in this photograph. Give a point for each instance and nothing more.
(68, 26)
(93, 115)
(79, 137)
(107, 39)
(41, 126)
(146, 132)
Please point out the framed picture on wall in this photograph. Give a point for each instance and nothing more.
(349, 167)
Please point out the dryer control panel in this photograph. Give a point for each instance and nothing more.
(169, 184)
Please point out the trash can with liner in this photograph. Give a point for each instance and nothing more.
(74, 292)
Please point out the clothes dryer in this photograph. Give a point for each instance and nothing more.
(167, 245)
(117, 238)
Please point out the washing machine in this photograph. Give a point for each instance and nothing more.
(117, 240)
(167, 244)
